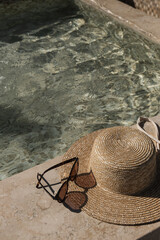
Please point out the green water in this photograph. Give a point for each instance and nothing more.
(63, 75)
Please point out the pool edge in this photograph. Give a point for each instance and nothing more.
(146, 25)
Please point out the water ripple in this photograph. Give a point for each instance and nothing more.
(66, 76)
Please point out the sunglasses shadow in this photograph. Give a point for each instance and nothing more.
(75, 200)
(47, 185)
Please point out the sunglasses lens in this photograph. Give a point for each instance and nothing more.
(75, 200)
(62, 192)
(86, 180)
(74, 171)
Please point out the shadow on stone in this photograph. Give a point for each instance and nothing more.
(129, 2)
(152, 235)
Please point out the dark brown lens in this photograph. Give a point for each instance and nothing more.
(75, 200)
(86, 180)
(74, 170)
(62, 192)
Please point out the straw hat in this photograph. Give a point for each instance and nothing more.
(123, 161)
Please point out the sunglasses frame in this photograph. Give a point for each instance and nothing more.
(70, 178)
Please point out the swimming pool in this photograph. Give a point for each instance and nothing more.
(65, 74)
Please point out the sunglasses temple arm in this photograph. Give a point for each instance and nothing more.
(41, 177)
(60, 164)
(56, 166)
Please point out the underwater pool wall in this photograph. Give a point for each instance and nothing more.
(12, 7)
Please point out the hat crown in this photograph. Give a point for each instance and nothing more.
(123, 160)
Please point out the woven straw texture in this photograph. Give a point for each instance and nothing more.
(123, 161)
(151, 7)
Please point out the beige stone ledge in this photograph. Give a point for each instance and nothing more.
(139, 21)
(30, 214)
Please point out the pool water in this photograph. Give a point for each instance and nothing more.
(63, 75)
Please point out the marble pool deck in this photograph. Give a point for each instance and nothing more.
(30, 214)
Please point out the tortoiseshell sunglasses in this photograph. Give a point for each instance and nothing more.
(85, 180)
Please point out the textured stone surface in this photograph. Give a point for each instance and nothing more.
(30, 214)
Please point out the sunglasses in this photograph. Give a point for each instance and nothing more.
(84, 180)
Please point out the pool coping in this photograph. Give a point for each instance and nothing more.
(144, 24)
(31, 213)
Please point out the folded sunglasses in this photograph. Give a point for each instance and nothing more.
(73, 199)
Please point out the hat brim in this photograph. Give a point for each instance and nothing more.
(113, 207)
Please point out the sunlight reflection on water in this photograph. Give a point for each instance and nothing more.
(63, 76)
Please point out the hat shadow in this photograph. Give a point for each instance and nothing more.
(152, 235)
(152, 191)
